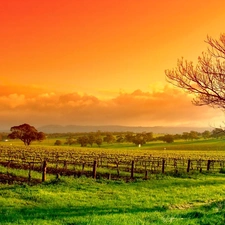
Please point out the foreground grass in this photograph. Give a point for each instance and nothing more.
(199, 199)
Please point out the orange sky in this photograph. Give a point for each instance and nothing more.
(102, 62)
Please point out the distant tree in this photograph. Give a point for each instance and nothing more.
(70, 140)
(139, 139)
(149, 136)
(185, 136)
(83, 141)
(218, 133)
(58, 142)
(129, 136)
(168, 138)
(177, 136)
(41, 136)
(119, 138)
(26, 133)
(91, 139)
(193, 135)
(98, 141)
(206, 134)
(109, 138)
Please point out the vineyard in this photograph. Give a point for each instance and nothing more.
(102, 163)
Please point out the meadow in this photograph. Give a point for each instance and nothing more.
(190, 198)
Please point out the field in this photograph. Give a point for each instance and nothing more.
(164, 198)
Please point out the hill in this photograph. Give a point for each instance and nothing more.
(114, 128)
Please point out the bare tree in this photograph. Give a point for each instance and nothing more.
(206, 80)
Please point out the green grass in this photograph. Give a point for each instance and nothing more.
(23, 173)
(189, 199)
(168, 200)
(199, 143)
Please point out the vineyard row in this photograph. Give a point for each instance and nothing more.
(112, 168)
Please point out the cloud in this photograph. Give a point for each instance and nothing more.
(12, 101)
(167, 106)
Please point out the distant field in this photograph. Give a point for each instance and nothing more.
(214, 145)
(201, 144)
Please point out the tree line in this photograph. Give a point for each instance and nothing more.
(28, 134)
(138, 139)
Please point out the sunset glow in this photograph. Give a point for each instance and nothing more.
(102, 62)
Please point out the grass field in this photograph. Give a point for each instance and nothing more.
(201, 144)
(166, 200)
(197, 198)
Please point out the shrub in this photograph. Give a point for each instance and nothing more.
(58, 142)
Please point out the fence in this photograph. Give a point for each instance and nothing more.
(113, 168)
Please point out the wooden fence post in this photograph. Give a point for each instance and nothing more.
(44, 170)
(94, 169)
(189, 165)
(146, 174)
(64, 164)
(117, 168)
(163, 165)
(109, 176)
(208, 165)
(132, 170)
